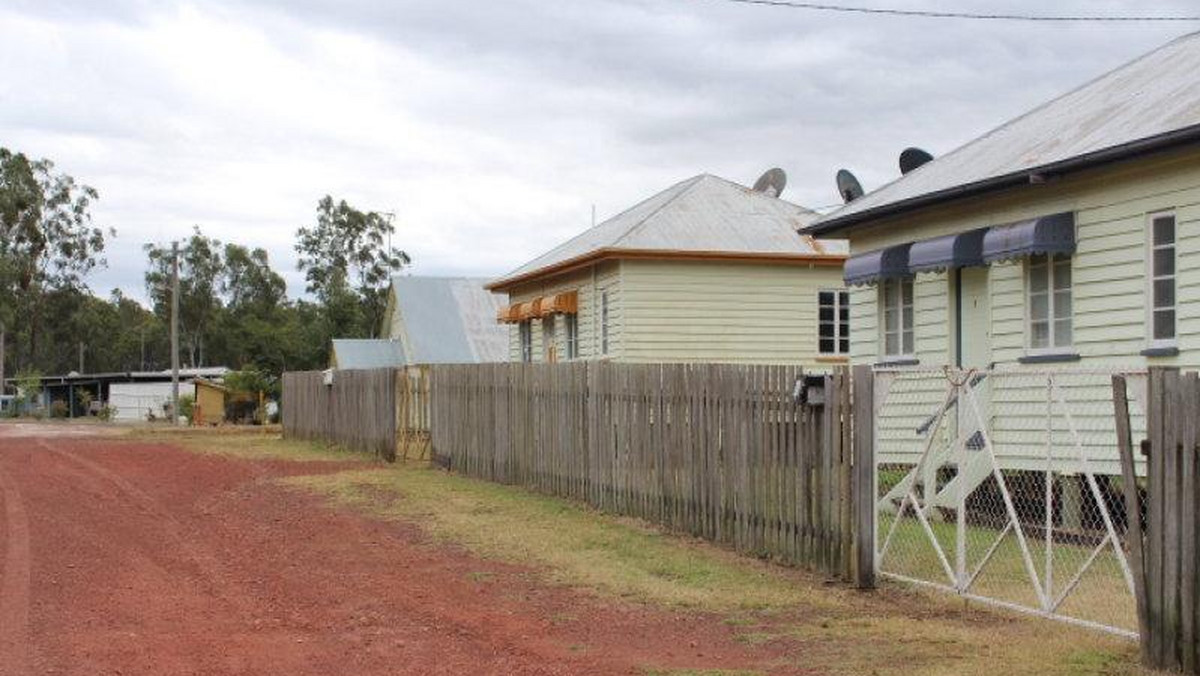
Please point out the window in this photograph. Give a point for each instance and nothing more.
(1162, 278)
(549, 339)
(833, 324)
(525, 329)
(572, 322)
(897, 317)
(604, 323)
(1049, 302)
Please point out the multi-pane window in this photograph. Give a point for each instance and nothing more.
(897, 316)
(1162, 278)
(572, 323)
(833, 323)
(604, 323)
(1049, 301)
(525, 331)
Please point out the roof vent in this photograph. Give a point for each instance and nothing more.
(848, 186)
(911, 158)
(771, 183)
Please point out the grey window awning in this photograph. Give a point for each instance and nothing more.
(872, 266)
(960, 250)
(1054, 234)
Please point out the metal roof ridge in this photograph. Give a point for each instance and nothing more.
(833, 217)
(636, 227)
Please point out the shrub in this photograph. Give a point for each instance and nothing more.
(107, 413)
(59, 409)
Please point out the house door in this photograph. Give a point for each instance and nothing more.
(974, 335)
(974, 340)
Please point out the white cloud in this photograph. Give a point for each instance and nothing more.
(490, 128)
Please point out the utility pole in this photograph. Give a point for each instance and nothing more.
(81, 357)
(174, 333)
(2, 336)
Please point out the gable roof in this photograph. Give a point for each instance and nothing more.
(448, 320)
(367, 353)
(1149, 104)
(702, 215)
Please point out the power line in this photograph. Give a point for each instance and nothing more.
(932, 14)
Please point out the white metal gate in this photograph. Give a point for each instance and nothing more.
(1004, 487)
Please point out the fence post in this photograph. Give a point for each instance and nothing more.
(862, 417)
(1133, 509)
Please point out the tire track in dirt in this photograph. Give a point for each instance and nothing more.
(210, 571)
(14, 582)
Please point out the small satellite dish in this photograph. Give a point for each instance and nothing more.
(911, 158)
(771, 183)
(848, 186)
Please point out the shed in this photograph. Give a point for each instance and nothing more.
(430, 320)
(209, 405)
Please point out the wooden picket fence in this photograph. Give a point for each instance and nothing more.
(357, 410)
(1163, 543)
(754, 456)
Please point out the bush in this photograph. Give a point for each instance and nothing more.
(107, 413)
(59, 409)
(187, 404)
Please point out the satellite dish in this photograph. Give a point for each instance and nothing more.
(911, 158)
(848, 186)
(771, 183)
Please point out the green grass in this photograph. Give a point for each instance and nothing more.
(575, 546)
(894, 630)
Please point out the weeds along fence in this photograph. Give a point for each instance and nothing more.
(356, 409)
(753, 456)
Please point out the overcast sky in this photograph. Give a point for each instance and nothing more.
(491, 127)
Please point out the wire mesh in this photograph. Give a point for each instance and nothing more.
(1005, 486)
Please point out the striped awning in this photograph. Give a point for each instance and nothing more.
(566, 303)
(873, 266)
(1053, 234)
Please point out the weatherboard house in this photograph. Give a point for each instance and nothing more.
(1068, 236)
(430, 320)
(704, 271)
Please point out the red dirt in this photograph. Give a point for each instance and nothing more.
(120, 557)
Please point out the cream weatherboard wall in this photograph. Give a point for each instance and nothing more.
(691, 311)
(726, 312)
(1109, 283)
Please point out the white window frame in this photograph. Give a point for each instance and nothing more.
(571, 324)
(604, 317)
(841, 330)
(525, 340)
(1051, 348)
(1152, 277)
(901, 354)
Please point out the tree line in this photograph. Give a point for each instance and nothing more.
(234, 307)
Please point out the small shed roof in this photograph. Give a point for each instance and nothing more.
(1150, 103)
(449, 320)
(370, 353)
(704, 214)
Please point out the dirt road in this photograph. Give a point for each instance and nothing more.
(125, 557)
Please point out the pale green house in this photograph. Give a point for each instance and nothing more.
(1066, 236)
(1052, 249)
(704, 271)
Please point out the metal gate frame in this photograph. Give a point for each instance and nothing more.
(961, 393)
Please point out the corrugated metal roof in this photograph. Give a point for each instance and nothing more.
(374, 353)
(704, 214)
(1156, 94)
(449, 320)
